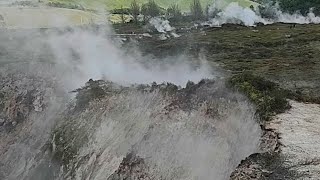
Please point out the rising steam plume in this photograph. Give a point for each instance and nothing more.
(199, 131)
(233, 13)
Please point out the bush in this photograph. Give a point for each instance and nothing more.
(174, 13)
(268, 97)
(150, 9)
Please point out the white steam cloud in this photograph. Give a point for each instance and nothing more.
(90, 55)
(161, 25)
(179, 145)
(311, 18)
(233, 13)
(164, 27)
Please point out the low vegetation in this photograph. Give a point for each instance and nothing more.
(268, 97)
(285, 59)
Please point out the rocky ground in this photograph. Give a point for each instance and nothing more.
(29, 104)
(297, 151)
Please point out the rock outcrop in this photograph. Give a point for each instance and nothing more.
(293, 139)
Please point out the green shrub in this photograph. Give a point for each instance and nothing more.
(268, 97)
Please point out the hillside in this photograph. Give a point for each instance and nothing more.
(115, 4)
(45, 17)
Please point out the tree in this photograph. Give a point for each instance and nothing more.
(196, 10)
(207, 12)
(150, 9)
(302, 6)
(174, 12)
(135, 10)
(292, 6)
(154, 9)
(123, 19)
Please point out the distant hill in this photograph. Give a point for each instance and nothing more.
(116, 4)
(33, 17)
(29, 18)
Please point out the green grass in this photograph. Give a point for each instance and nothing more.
(15, 18)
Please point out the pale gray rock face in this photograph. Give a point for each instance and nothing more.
(30, 105)
(290, 147)
(300, 138)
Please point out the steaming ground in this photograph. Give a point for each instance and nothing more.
(233, 13)
(199, 132)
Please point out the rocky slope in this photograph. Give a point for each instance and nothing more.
(155, 132)
(29, 106)
(296, 139)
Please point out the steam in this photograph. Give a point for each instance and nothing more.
(92, 55)
(311, 18)
(164, 27)
(180, 145)
(233, 13)
(175, 144)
